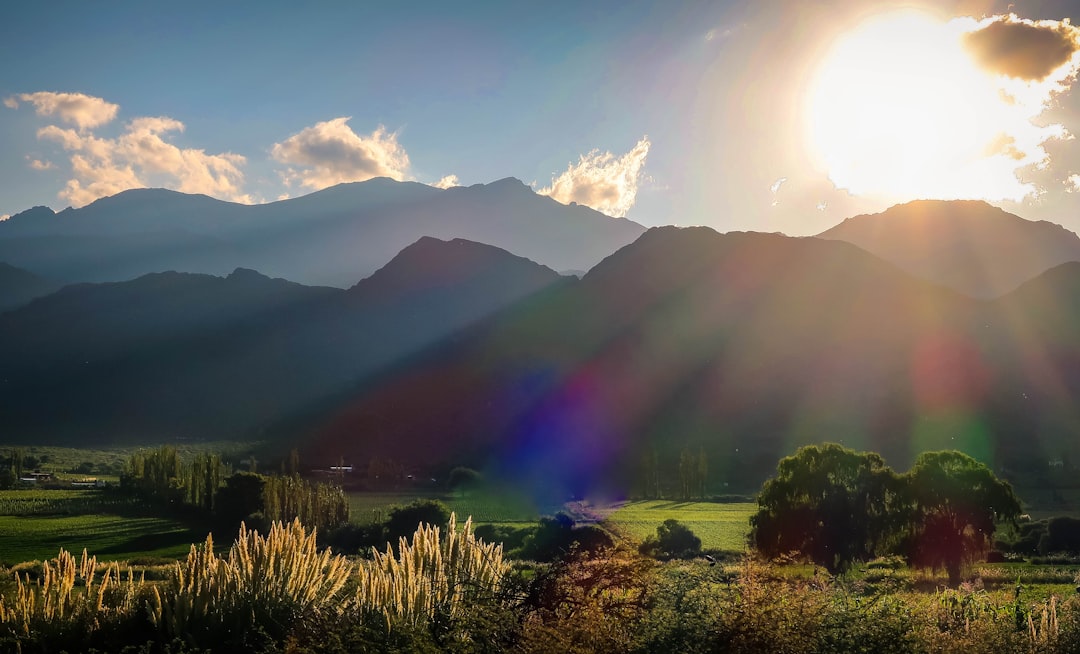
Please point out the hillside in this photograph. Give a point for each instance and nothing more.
(18, 286)
(970, 246)
(743, 344)
(183, 355)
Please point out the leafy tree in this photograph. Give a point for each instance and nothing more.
(829, 503)
(463, 479)
(241, 496)
(957, 503)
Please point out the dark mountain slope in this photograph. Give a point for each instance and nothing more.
(182, 355)
(744, 344)
(969, 246)
(18, 286)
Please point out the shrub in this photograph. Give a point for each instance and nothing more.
(673, 540)
(557, 537)
(403, 521)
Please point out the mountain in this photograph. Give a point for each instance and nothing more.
(18, 286)
(171, 355)
(331, 237)
(969, 246)
(744, 345)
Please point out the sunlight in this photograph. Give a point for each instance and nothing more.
(898, 109)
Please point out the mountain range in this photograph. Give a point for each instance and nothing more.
(741, 346)
(332, 237)
(184, 355)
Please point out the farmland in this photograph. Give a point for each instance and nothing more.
(485, 508)
(719, 526)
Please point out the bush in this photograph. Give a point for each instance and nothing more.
(673, 540)
(405, 520)
(556, 537)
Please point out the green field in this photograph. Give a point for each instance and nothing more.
(369, 507)
(719, 526)
(109, 537)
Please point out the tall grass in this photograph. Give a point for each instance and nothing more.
(274, 582)
(51, 610)
(432, 577)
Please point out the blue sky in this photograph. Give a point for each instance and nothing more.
(700, 105)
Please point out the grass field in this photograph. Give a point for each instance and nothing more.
(110, 537)
(367, 507)
(719, 526)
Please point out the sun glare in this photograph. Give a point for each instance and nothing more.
(900, 110)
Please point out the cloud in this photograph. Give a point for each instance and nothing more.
(141, 156)
(5, 217)
(447, 182)
(1072, 183)
(1023, 49)
(38, 164)
(83, 111)
(331, 153)
(601, 180)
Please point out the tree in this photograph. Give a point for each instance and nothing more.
(463, 479)
(831, 504)
(956, 504)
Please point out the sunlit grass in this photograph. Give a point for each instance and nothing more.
(719, 526)
(484, 508)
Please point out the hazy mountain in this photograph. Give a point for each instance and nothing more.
(188, 355)
(18, 286)
(743, 344)
(334, 236)
(970, 246)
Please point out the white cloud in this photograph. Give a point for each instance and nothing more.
(39, 164)
(602, 181)
(1072, 183)
(141, 156)
(330, 152)
(83, 111)
(447, 182)
(5, 217)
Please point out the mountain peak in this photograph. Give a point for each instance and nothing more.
(969, 245)
(430, 262)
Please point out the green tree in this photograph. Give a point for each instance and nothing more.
(463, 479)
(831, 504)
(956, 504)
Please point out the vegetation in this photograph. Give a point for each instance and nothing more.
(836, 506)
(722, 527)
(423, 582)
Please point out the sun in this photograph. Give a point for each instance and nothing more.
(899, 110)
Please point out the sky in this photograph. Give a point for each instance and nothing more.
(741, 115)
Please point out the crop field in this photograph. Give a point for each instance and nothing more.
(369, 507)
(110, 537)
(719, 526)
(36, 502)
